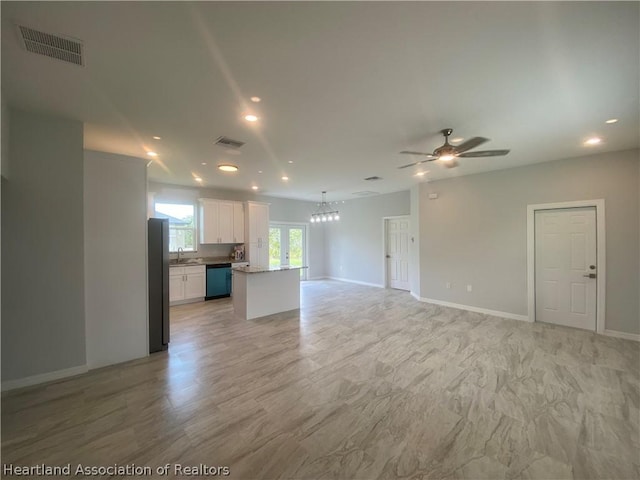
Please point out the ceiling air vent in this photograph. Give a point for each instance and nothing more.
(53, 46)
(371, 179)
(228, 142)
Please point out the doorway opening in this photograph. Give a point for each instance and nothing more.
(288, 246)
(396, 252)
(566, 264)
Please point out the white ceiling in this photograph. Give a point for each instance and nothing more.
(344, 86)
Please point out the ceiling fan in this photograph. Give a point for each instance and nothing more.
(449, 153)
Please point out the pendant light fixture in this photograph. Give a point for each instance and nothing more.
(324, 213)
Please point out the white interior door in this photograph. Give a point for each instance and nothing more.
(565, 267)
(397, 255)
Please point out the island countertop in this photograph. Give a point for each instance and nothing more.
(251, 269)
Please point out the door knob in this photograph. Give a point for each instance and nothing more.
(388, 256)
(590, 275)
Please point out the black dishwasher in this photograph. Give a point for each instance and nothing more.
(218, 280)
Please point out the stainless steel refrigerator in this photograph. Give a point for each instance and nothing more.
(158, 261)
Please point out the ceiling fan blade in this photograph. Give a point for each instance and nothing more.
(471, 143)
(484, 153)
(451, 164)
(416, 163)
(416, 153)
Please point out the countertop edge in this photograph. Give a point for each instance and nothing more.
(250, 270)
(204, 262)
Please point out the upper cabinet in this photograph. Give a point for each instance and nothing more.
(209, 213)
(238, 222)
(221, 221)
(225, 222)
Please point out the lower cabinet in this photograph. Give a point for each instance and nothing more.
(176, 286)
(186, 283)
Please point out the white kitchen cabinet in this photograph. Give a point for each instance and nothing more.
(225, 222)
(187, 283)
(209, 214)
(176, 286)
(195, 285)
(257, 233)
(238, 222)
(258, 255)
(218, 219)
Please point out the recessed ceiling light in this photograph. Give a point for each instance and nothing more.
(254, 187)
(152, 154)
(197, 179)
(255, 99)
(157, 138)
(420, 174)
(203, 163)
(285, 178)
(251, 118)
(612, 120)
(290, 161)
(593, 141)
(457, 139)
(259, 171)
(228, 167)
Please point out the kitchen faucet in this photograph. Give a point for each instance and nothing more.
(180, 250)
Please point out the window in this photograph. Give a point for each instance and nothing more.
(182, 225)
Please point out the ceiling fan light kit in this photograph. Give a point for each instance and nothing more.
(449, 153)
(324, 213)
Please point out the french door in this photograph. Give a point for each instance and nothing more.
(288, 246)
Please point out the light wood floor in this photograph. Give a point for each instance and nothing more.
(363, 383)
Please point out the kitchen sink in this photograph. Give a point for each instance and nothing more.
(187, 262)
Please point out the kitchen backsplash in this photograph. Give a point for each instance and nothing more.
(209, 250)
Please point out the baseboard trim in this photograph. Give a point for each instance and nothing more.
(348, 280)
(469, 308)
(625, 335)
(43, 377)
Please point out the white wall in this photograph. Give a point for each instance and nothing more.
(43, 328)
(475, 232)
(280, 210)
(115, 221)
(354, 245)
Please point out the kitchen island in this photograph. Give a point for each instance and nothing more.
(262, 291)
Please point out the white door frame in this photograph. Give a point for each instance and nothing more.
(305, 225)
(384, 247)
(600, 255)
